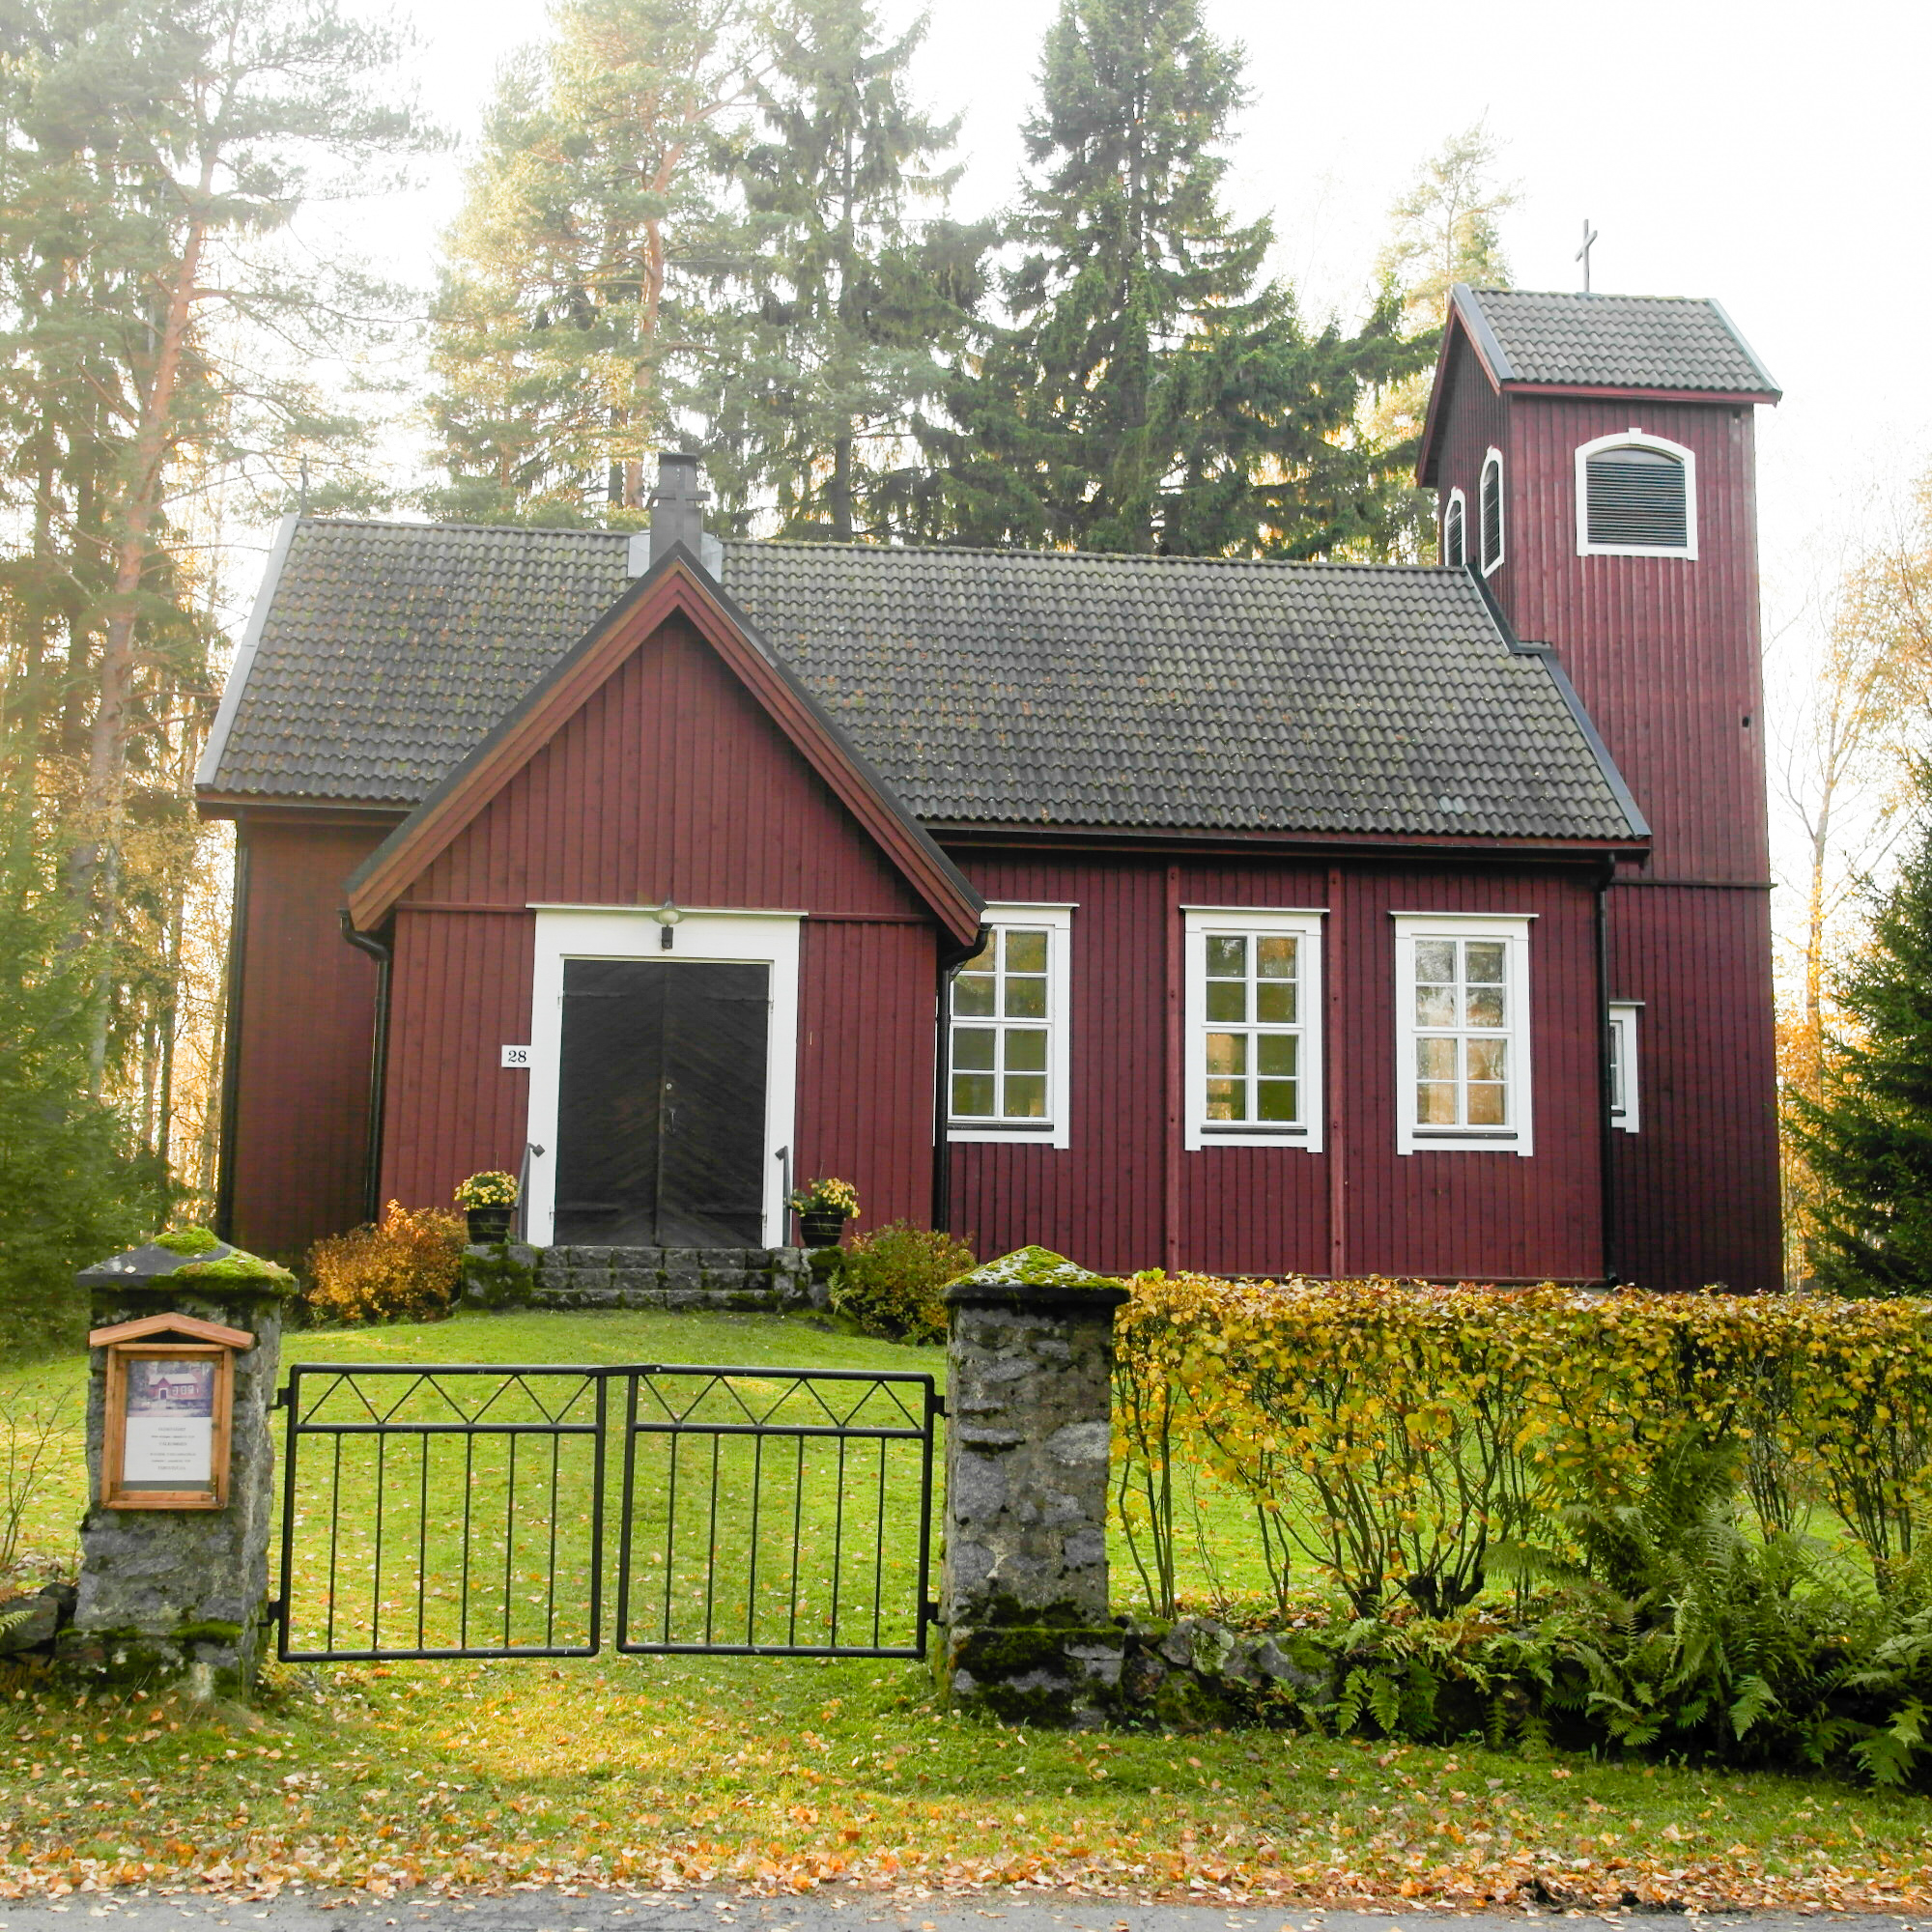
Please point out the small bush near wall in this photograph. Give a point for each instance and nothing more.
(888, 1281)
(405, 1268)
(1694, 1522)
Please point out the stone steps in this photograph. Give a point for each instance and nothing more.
(750, 1280)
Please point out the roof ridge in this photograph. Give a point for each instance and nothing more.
(1313, 565)
(310, 520)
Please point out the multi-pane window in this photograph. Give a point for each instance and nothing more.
(1254, 1027)
(1455, 531)
(1008, 1069)
(1462, 1028)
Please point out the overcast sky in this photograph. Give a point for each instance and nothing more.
(1770, 155)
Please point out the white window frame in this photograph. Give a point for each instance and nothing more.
(1304, 924)
(1057, 920)
(1488, 564)
(633, 932)
(1459, 502)
(1623, 1032)
(1513, 931)
(1636, 438)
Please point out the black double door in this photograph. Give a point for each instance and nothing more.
(661, 1104)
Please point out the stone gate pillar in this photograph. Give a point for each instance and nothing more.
(1025, 1630)
(174, 1590)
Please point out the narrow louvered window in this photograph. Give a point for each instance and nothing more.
(1492, 511)
(1636, 500)
(1455, 537)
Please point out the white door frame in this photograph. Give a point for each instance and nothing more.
(635, 932)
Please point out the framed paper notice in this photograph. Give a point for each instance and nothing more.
(170, 1403)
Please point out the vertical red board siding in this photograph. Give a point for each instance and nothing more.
(671, 782)
(1664, 651)
(300, 1129)
(1693, 1204)
(1264, 1211)
(1665, 655)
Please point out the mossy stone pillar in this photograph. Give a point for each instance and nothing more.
(1025, 1630)
(178, 1594)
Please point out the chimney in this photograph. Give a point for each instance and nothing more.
(677, 506)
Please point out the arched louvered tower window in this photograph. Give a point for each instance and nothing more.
(1489, 511)
(1455, 529)
(1637, 495)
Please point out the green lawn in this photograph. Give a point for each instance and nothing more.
(787, 1772)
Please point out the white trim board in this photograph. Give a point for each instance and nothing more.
(633, 932)
(245, 652)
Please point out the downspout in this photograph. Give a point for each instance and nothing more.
(1607, 1129)
(231, 1041)
(379, 1067)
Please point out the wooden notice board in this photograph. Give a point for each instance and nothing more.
(170, 1411)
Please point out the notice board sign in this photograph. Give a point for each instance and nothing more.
(170, 1411)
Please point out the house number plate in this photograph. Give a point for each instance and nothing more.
(515, 1056)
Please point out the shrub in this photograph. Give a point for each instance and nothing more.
(888, 1281)
(1642, 1470)
(1409, 1441)
(405, 1268)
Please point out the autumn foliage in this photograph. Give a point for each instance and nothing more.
(1407, 1443)
(405, 1268)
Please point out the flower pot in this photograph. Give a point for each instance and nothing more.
(818, 1228)
(488, 1225)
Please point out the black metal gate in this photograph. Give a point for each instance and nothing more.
(465, 1512)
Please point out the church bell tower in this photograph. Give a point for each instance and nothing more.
(1593, 462)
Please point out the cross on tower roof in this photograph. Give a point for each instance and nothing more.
(1583, 253)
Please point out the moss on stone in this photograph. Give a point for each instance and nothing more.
(1033, 1267)
(237, 1266)
(188, 1241)
(212, 1629)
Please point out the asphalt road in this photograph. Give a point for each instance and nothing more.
(826, 1910)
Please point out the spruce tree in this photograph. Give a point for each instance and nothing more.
(1868, 1139)
(839, 315)
(1155, 390)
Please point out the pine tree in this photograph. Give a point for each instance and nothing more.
(841, 311)
(1155, 390)
(573, 297)
(1868, 1141)
(1445, 229)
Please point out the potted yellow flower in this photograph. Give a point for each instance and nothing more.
(823, 1209)
(488, 1204)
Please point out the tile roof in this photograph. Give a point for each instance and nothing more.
(1636, 342)
(990, 686)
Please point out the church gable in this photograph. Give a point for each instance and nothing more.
(667, 756)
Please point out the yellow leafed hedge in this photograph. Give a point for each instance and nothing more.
(1394, 1440)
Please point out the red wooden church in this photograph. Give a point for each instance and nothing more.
(1247, 917)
